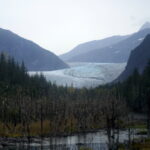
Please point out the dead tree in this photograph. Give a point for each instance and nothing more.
(113, 110)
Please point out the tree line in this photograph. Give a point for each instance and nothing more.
(31, 106)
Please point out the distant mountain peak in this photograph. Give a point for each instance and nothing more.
(145, 26)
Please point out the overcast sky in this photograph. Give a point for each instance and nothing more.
(60, 25)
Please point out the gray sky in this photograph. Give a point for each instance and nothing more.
(60, 25)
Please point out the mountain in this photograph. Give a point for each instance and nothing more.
(35, 57)
(138, 59)
(114, 53)
(145, 26)
(90, 46)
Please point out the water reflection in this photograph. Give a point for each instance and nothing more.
(92, 146)
(93, 141)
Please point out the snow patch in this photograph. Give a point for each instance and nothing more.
(141, 39)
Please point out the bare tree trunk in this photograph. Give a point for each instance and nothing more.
(28, 133)
(148, 124)
(41, 119)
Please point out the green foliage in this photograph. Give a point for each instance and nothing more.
(143, 144)
(136, 90)
(29, 105)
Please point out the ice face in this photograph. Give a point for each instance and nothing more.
(85, 75)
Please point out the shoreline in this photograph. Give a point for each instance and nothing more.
(48, 140)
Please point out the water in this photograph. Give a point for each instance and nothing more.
(93, 141)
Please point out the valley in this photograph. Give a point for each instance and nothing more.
(84, 75)
(95, 96)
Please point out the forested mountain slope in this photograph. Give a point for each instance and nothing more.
(138, 59)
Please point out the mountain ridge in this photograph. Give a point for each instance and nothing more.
(34, 56)
(138, 59)
(91, 45)
(115, 52)
(145, 25)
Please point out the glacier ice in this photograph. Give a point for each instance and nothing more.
(84, 74)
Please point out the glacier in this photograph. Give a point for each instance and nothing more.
(87, 75)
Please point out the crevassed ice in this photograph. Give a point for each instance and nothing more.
(85, 75)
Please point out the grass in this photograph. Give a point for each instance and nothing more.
(85, 148)
(18, 131)
(140, 126)
(143, 144)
